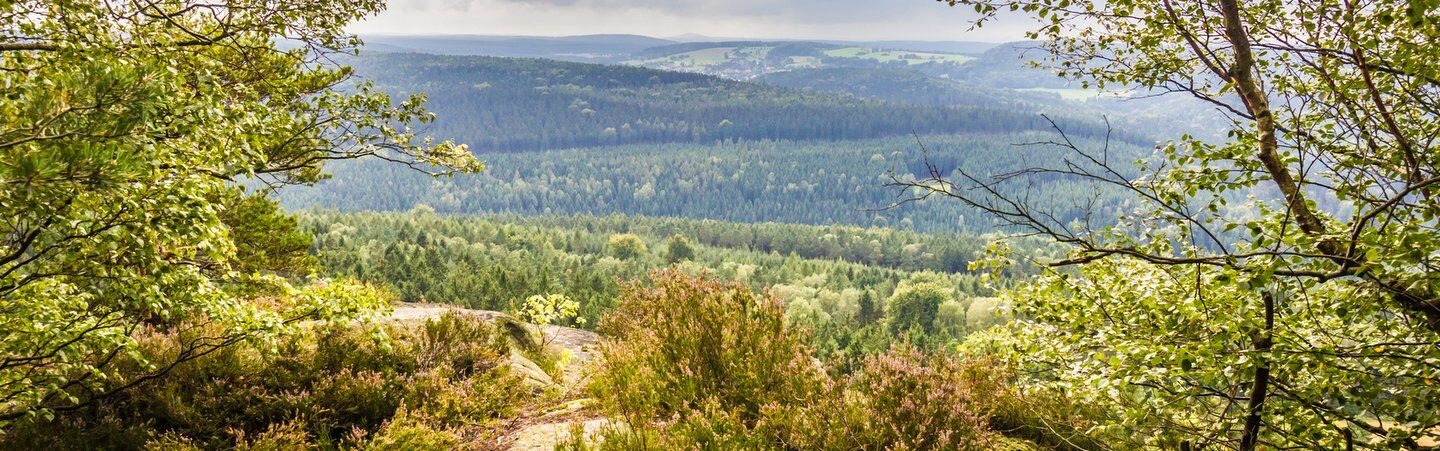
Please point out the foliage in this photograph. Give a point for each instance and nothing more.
(127, 127)
(547, 309)
(404, 433)
(703, 364)
(267, 240)
(495, 262)
(916, 302)
(1145, 340)
(678, 249)
(625, 246)
(400, 385)
(1274, 289)
(919, 401)
(717, 342)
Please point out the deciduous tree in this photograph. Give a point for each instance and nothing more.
(1277, 289)
(125, 128)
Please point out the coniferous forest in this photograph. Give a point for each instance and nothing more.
(1004, 224)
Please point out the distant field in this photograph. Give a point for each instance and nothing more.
(804, 62)
(897, 55)
(704, 58)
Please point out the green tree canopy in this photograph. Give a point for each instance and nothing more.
(916, 301)
(625, 246)
(125, 129)
(1276, 289)
(678, 249)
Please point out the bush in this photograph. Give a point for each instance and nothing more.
(327, 386)
(405, 433)
(700, 364)
(914, 401)
(685, 341)
(625, 246)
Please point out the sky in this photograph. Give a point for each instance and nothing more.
(928, 20)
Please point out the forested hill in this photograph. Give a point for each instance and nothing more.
(906, 86)
(598, 48)
(1137, 115)
(508, 104)
(801, 182)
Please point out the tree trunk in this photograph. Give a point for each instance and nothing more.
(1264, 340)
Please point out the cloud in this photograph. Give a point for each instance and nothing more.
(808, 19)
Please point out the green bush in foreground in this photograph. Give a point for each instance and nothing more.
(329, 386)
(697, 363)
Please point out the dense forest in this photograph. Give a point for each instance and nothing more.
(1135, 114)
(748, 181)
(904, 85)
(835, 279)
(506, 104)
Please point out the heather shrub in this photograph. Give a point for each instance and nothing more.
(682, 341)
(913, 401)
(287, 436)
(404, 432)
(700, 364)
(326, 386)
(689, 346)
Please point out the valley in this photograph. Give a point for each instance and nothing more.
(640, 225)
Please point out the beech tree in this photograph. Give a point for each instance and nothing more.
(127, 129)
(1276, 289)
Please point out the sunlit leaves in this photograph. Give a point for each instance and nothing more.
(1348, 248)
(125, 130)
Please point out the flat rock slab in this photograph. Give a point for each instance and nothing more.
(580, 343)
(546, 435)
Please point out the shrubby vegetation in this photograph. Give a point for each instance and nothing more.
(1273, 289)
(431, 385)
(700, 363)
(126, 128)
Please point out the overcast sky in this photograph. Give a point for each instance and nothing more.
(802, 19)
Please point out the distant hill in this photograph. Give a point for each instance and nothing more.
(598, 48)
(1008, 66)
(907, 86)
(1162, 117)
(965, 47)
(509, 104)
(743, 60)
(732, 58)
(962, 47)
